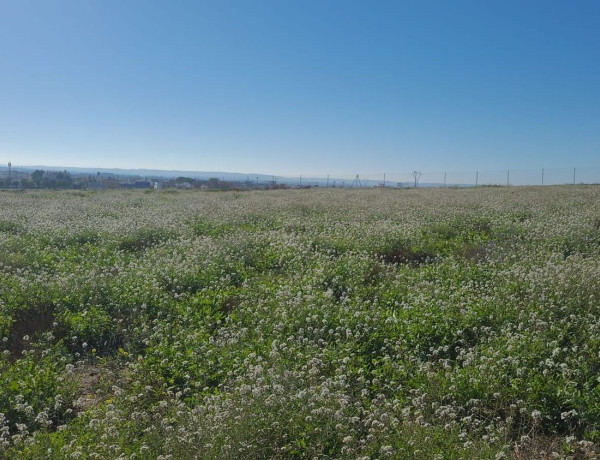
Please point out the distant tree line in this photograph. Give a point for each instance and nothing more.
(40, 179)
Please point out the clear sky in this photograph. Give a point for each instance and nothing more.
(300, 87)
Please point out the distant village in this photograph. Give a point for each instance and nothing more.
(40, 179)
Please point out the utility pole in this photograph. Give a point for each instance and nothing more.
(542, 176)
(328, 180)
(444, 179)
(574, 176)
(507, 177)
(476, 178)
(384, 179)
(417, 175)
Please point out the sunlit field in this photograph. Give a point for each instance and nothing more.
(434, 324)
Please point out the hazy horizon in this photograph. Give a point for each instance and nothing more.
(535, 176)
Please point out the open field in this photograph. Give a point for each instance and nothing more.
(300, 324)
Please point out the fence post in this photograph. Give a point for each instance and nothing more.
(444, 179)
(508, 177)
(542, 176)
(574, 176)
(476, 178)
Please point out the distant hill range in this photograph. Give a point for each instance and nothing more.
(160, 174)
(149, 173)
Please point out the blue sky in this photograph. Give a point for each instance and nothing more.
(305, 87)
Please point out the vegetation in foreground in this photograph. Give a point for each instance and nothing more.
(300, 324)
